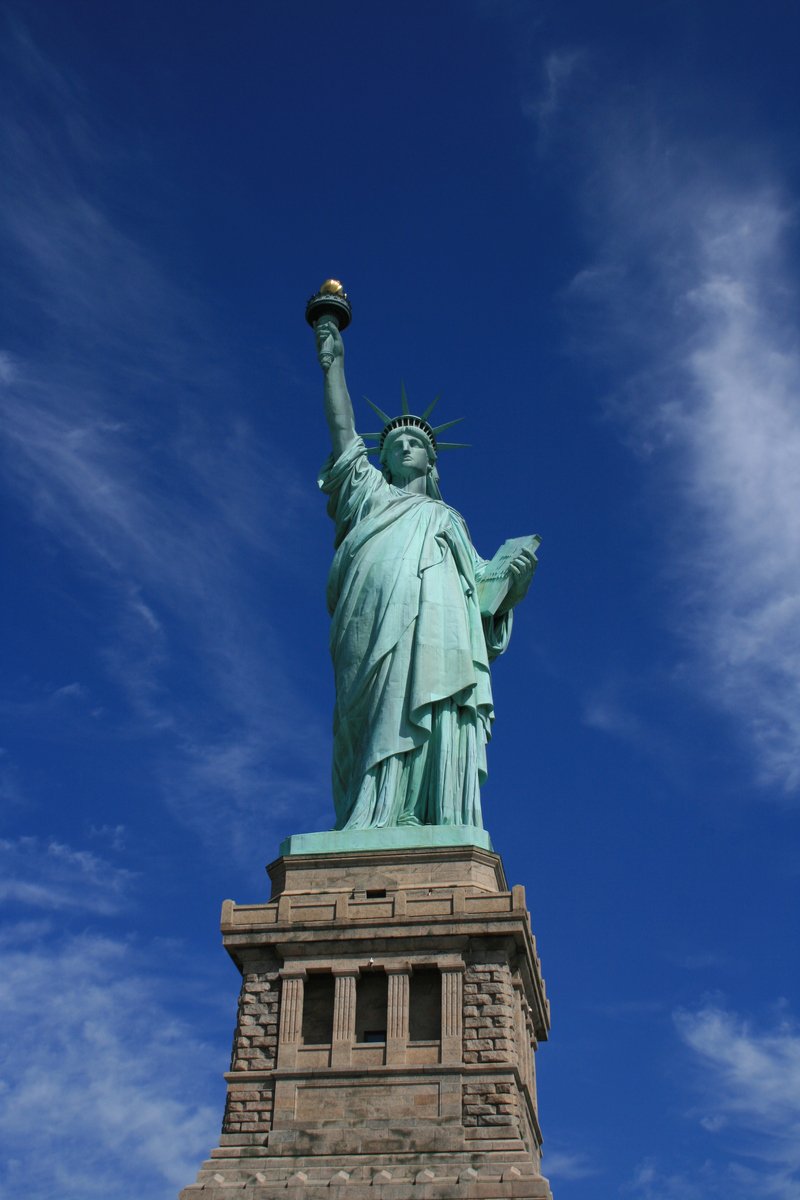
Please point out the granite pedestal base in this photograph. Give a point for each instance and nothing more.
(391, 1004)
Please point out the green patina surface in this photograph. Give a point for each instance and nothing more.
(416, 618)
(398, 837)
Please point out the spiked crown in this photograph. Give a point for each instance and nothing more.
(407, 419)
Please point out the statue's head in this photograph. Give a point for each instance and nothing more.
(418, 428)
(407, 452)
(406, 434)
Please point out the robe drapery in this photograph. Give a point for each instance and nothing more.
(410, 654)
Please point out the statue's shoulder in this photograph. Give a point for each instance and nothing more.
(337, 467)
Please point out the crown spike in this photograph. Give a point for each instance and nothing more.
(383, 416)
(430, 407)
(410, 420)
(437, 429)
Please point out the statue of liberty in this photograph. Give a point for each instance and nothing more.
(416, 618)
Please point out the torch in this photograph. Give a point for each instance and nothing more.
(329, 302)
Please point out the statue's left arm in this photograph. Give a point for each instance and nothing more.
(497, 626)
(521, 568)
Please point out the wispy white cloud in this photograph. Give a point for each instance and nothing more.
(558, 68)
(649, 1182)
(100, 1081)
(742, 445)
(51, 875)
(617, 708)
(605, 711)
(704, 960)
(114, 835)
(690, 297)
(112, 441)
(566, 1165)
(102, 1084)
(15, 933)
(749, 1079)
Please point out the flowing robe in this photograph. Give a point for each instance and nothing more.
(410, 653)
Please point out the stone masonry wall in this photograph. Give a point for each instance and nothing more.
(248, 1107)
(489, 1038)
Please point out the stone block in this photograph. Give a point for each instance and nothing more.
(435, 1120)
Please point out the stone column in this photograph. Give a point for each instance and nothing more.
(521, 1038)
(291, 1020)
(532, 1061)
(344, 1015)
(452, 1010)
(398, 1011)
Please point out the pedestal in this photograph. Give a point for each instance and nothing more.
(391, 1004)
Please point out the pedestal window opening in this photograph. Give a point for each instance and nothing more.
(425, 1005)
(372, 1001)
(318, 1010)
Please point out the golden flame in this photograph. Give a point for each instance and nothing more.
(332, 287)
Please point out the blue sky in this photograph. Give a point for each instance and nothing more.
(577, 222)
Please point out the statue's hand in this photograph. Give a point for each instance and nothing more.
(330, 346)
(521, 571)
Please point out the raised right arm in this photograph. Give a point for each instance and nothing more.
(338, 405)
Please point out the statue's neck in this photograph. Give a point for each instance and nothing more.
(418, 485)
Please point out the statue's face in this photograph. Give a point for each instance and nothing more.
(406, 456)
